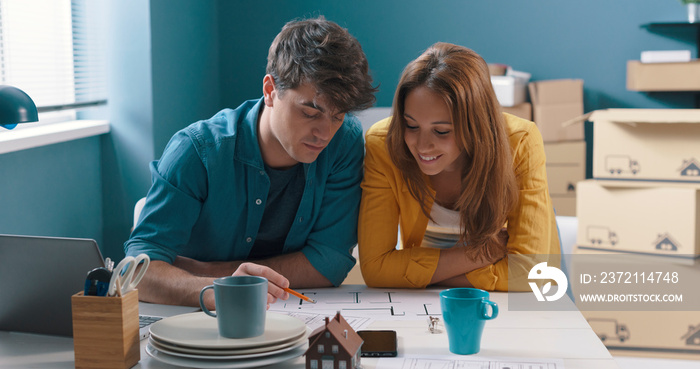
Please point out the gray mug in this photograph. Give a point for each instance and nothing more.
(241, 305)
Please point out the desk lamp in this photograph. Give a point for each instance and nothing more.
(16, 107)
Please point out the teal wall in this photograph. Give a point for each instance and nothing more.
(185, 65)
(172, 62)
(164, 75)
(590, 39)
(52, 190)
(130, 145)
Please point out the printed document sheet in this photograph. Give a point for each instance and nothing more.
(468, 362)
(360, 301)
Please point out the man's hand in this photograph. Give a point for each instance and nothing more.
(180, 283)
(296, 268)
(276, 282)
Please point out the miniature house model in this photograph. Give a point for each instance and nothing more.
(334, 346)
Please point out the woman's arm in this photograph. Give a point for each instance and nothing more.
(454, 263)
(381, 263)
(531, 224)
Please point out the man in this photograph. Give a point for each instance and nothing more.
(275, 181)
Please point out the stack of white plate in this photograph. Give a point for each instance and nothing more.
(192, 340)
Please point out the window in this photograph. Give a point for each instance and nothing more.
(326, 364)
(313, 364)
(54, 51)
(342, 364)
(334, 349)
(320, 349)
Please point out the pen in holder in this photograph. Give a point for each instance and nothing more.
(106, 331)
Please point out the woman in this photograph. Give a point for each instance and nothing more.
(465, 184)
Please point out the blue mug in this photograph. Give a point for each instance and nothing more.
(241, 305)
(465, 311)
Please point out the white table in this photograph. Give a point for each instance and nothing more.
(544, 334)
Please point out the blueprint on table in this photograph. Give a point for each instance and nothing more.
(361, 301)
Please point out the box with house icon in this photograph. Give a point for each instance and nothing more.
(652, 301)
(648, 333)
(644, 203)
(566, 166)
(629, 216)
(646, 144)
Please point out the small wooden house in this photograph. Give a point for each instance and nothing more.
(334, 346)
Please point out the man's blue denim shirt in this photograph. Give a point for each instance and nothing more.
(210, 187)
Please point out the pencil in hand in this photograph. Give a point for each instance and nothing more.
(297, 294)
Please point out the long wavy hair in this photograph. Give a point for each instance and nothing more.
(489, 189)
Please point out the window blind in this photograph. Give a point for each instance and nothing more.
(54, 51)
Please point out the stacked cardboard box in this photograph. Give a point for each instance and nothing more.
(522, 110)
(639, 218)
(556, 104)
(566, 166)
(663, 76)
(668, 334)
(644, 200)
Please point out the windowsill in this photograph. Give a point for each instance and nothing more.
(28, 138)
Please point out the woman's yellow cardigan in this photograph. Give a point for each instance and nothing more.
(387, 204)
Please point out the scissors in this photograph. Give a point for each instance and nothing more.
(123, 279)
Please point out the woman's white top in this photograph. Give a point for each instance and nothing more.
(443, 231)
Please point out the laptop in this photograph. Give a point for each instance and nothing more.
(38, 276)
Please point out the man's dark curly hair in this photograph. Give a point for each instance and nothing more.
(322, 53)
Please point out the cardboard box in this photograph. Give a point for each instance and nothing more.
(564, 204)
(497, 69)
(523, 110)
(566, 153)
(640, 256)
(663, 76)
(562, 179)
(566, 166)
(555, 102)
(671, 334)
(647, 144)
(622, 217)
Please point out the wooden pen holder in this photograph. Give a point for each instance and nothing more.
(106, 331)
